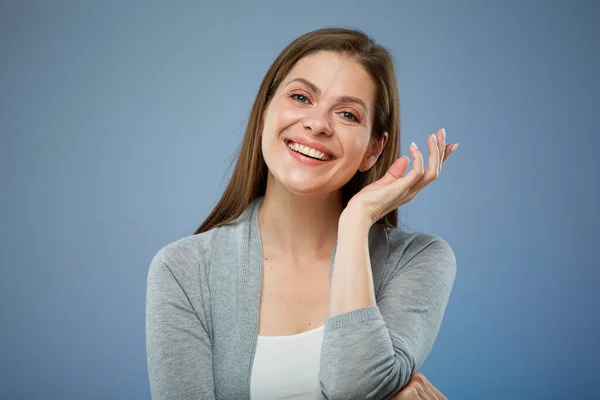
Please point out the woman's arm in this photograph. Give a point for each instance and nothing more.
(178, 348)
(351, 280)
(370, 351)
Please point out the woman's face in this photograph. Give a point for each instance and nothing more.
(317, 126)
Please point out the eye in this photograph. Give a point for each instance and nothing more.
(350, 116)
(299, 97)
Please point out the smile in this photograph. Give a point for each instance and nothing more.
(307, 151)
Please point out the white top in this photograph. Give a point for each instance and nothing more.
(287, 367)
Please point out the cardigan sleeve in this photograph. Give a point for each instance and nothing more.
(178, 347)
(370, 353)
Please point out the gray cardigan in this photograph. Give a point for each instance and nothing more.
(202, 306)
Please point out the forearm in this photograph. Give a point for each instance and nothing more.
(357, 357)
(352, 279)
(363, 355)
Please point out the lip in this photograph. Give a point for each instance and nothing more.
(309, 143)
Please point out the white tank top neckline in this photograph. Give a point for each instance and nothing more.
(287, 366)
(293, 336)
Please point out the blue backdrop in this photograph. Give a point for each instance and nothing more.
(119, 121)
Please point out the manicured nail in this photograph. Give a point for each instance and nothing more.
(434, 138)
(414, 144)
(444, 133)
(454, 148)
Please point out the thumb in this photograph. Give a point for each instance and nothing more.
(396, 170)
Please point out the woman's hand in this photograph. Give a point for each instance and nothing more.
(393, 190)
(419, 388)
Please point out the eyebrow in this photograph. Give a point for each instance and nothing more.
(343, 99)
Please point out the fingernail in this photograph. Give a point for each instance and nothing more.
(454, 148)
(414, 144)
(444, 133)
(434, 138)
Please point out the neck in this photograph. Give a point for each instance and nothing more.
(303, 227)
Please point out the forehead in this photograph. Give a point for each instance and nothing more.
(335, 74)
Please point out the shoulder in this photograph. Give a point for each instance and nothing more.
(419, 247)
(181, 259)
(192, 255)
(189, 247)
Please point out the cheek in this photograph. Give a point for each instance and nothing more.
(288, 115)
(360, 142)
(281, 115)
(356, 145)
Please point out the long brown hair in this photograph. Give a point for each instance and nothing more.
(249, 179)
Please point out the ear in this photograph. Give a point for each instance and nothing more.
(374, 151)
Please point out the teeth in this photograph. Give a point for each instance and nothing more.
(307, 151)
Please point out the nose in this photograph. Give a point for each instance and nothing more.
(318, 122)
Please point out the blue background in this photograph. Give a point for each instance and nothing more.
(119, 121)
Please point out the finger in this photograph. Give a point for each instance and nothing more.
(405, 186)
(432, 171)
(396, 170)
(422, 386)
(433, 166)
(398, 188)
(435, 160)
(447, 152)
(434, 393)
(430, 390)
(441, 136)
(417, 171)
(407, 393)
(450, 149)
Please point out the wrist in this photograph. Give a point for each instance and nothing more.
(354, 220)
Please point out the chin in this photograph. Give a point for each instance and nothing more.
(303, 185)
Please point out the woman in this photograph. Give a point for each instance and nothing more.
(299, 283)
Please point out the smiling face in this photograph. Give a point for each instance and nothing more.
(317, 126)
